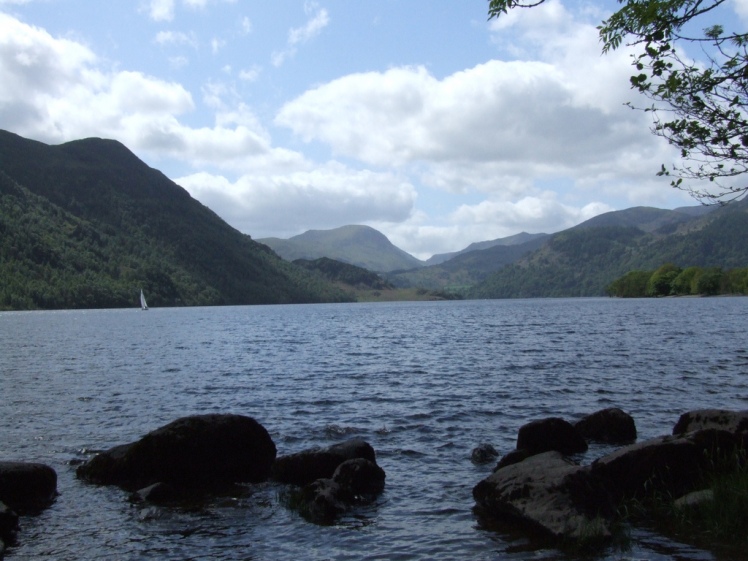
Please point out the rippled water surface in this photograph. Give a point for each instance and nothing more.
(424, 383)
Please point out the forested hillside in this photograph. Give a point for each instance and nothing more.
(87, 225)
(585, 260)
(466, 269)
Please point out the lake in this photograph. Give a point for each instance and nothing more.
(422, 382)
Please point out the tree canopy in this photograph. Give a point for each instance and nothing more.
(698, 106)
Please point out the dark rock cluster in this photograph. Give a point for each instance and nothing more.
(204, 454)
(24, 488)
(538, 484)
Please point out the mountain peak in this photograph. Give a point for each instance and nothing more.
(358, 245)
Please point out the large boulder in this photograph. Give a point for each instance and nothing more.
(303, 468)
(732, 421)
(612, 426)
(549, 434)
(548, 492)
(27, 486)
(197, 452)
(671, 465)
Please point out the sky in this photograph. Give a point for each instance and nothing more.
(420, 118)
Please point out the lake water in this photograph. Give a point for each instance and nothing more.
(423, 382)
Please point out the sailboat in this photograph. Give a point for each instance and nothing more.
(143, 305)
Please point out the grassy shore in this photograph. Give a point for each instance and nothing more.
(718, 522)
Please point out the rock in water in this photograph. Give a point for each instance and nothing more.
(549, 434)
(197, 451)
(548, 492)
(671, 465)
(483, 454)
(307, 466)
(8, 525)
(612, 426)
(27, 486)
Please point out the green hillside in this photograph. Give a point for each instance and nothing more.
(466, 269)
(585, 260)
(86, 224)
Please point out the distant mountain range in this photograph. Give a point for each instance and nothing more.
(517, 239)
(579, 261)
(86, 224)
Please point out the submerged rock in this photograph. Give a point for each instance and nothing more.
(357, 481)
(192, 452)
(307, 466)
(611, 425)
(550, 493)
(27, 486)
(483, 454)
(333, 479)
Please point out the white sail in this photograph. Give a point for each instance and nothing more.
(143, 305)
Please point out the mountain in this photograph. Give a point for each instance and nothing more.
(517, 239)
(86, 224)
(466, 268)
(584, 260)
(647, 219)
(357, 245)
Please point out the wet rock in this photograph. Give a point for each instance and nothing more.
(307, 466)
(322, 501)
(612, 426)
(721, 419)
(27, 486)
(513, 457)
(483, 454)
(549, 434)
(192, 452)
(8, 525)
(359, 478)
(548, 492)
(357, 481)
(668, 464)
(694, 499)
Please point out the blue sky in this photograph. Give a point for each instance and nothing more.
(419, 118)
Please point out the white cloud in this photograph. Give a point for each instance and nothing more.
(491, 219)
(57, 90)
(318, 21)
(216, 45)
(246, 25)
(159, 10)
(741, 8)
(176, 38)
(178, 62)
(322, 196)
(250, 74)
(164, 10)
(523, 117)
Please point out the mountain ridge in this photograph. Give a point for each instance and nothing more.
(357, 245)
(87, 224)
